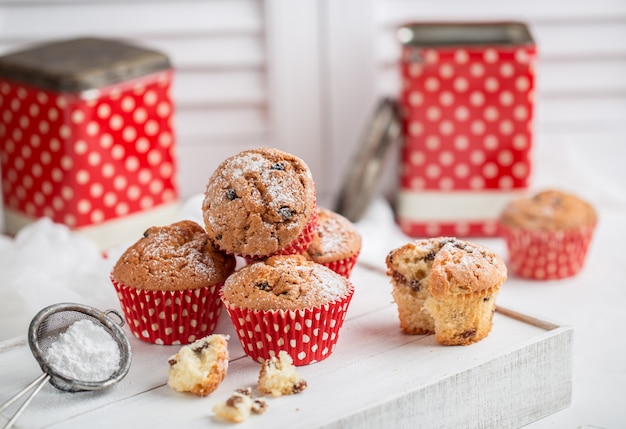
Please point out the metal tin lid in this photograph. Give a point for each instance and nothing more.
(80, 64)
(435, 34)
(382, 132)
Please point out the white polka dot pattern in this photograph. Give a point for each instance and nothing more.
(99, 148)
(545, 255)
(307, 335)
(467, 125)
(170, 317)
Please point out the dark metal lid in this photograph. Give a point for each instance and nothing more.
(80, 64)
(381, 135)
(437, 34)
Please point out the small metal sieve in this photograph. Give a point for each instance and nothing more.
(45, 329)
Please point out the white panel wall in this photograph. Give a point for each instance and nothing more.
(304, 76)
(217, 48)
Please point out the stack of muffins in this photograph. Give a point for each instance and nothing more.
(294, 290)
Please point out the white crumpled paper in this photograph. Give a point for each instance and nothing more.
(47, 263)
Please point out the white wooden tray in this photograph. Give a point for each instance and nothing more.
(377, 377)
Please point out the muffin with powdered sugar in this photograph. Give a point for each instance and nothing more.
(168, 283)
(287, 303)
(261, 202)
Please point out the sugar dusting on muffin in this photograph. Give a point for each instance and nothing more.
(173, 257)
(259, 202)
(447, 287)
(284, 282)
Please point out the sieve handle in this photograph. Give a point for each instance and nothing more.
(37, 384)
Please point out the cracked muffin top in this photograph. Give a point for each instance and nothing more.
(284, 283)
(258, 202)
(451, 266)
(179, 256)
(549, 210)
(336, 238)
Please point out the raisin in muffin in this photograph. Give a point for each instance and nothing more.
(199, 367)
(278, 376)
(168, 283)
(239, 406)
(289, 303)
(548, 234)
(261, 202)
(447, 287)
(336, 244)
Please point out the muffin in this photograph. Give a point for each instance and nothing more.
(287, 303)
(168, 283)
(548, 234)
(199, 367)
(447, 287)
(336, 243)
(261, 202)
(278, 376)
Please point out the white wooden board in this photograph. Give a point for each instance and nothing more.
(376, 377)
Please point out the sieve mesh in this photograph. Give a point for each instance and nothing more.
(46, 328)
(53, 321)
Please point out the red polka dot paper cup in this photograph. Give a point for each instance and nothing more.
(170, 317)
(343, 267)
(307, 335)
(301, 243)
(547, 255)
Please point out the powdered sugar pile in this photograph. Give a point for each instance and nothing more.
(84, 352)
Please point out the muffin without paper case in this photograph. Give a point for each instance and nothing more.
(168, 283)
(447, 287)
(287, 303)
(261, 202)
(200, 367)
(548, 234)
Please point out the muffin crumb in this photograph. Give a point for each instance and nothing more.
(238, 407)
(199, 367)
(278, 376)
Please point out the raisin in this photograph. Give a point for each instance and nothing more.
(468, 334)
(263, 285)
(430, 256)
(399, 278)
(487, 298)
(415, 285)
(199, 349)
(277, 166)
(285, 212)
(218, 237)
(259, 406)
(172, 362)
(299, 386)
(231, 194)
(247, 391)
(234, 400)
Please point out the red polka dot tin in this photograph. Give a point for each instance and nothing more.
(86, 137)
(466, 106)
